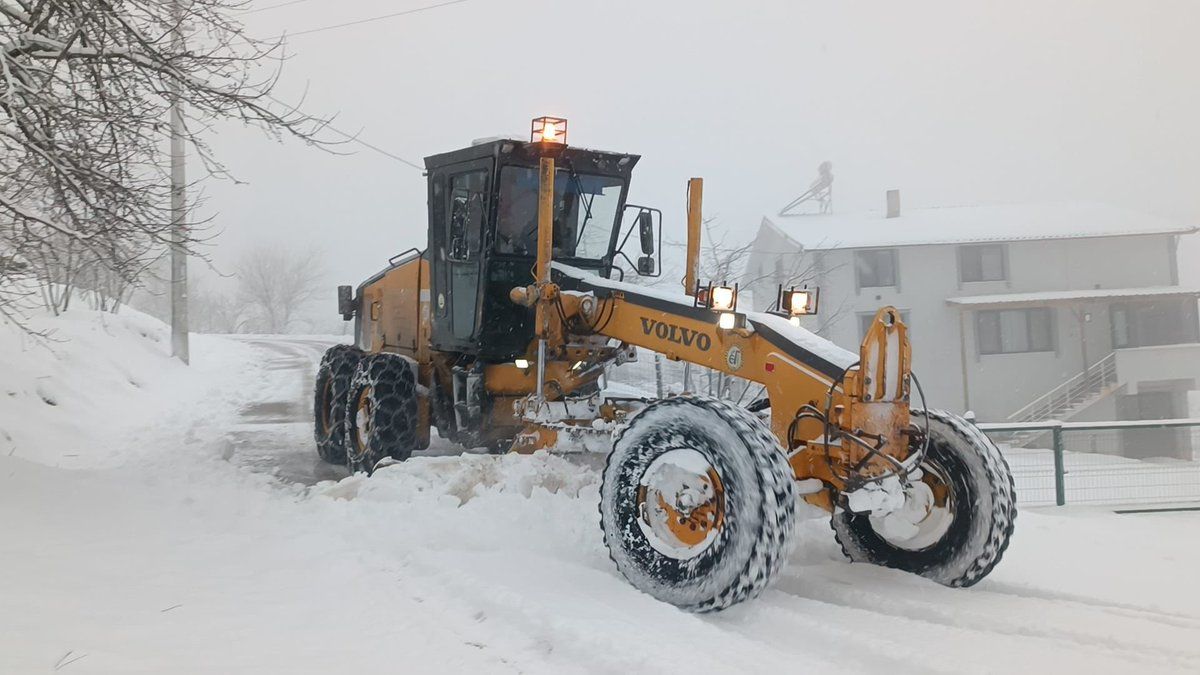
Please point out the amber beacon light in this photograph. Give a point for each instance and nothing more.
(549, 130)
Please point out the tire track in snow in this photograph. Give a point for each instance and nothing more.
(275, 433)
(613, 628)
(798, 628)
(1054, 626)
(1176, 619)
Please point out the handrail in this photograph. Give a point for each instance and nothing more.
(405, 256)
(1070, 392)
(1050, 425)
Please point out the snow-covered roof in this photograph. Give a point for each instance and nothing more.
(1047, 297)
(967, 224)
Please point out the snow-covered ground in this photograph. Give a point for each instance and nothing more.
(136, 536)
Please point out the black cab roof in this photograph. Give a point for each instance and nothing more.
(511, 151)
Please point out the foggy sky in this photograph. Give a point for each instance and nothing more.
(951, 101)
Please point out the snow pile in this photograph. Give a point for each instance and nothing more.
(76, 396)
(89, 370)
(463, 478)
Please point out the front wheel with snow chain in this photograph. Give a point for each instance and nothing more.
(329, 401)
(697, 503)
(967, 507)
(382, 412)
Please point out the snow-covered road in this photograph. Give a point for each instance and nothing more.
(188, 555)
(273, 432)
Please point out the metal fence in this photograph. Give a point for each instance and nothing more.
(1116, 463)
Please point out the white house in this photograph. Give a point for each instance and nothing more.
(1016, 312)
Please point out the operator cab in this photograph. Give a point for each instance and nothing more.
(483, 204)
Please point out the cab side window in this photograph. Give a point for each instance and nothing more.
(467, 212)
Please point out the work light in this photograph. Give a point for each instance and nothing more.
(549, 130)
(796, 302)
(722, 298)
(717, 297)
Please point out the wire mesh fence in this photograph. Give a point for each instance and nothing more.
(1136, 462)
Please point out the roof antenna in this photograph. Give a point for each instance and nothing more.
(821, 192)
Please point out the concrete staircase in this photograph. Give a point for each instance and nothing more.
(1067, 399)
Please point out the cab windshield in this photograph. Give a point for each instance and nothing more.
(585, 212)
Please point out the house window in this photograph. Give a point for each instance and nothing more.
(1015, 331)
(986, 262)
(865, 319)
(875, 268)
(1161, 322)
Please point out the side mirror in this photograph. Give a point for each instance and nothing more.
(645, 222)
(645, 266)
(346, 302)
(643, 218)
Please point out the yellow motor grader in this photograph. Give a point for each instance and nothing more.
(500, 332)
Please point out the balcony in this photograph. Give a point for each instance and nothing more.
(1160, 363)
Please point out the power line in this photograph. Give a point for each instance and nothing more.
(378, 149)
(277, 6)
(354, 138)
(376, 18)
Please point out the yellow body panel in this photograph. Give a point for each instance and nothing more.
(396, 311)
(691, 272)
(395, 318)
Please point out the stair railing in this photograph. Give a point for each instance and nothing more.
(1070, 393)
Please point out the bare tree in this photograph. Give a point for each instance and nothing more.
(723, 260)
(275, 284)
(85, 88)
(798, 268)
(214, 311)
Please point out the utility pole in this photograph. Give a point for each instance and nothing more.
(179, 295)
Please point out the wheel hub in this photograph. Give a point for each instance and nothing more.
(681, 503)
(362, 421)
(923, 516)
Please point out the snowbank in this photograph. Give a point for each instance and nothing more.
(68, 398)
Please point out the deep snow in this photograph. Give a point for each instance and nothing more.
(130, 544)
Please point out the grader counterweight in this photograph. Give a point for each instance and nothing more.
(499, 334)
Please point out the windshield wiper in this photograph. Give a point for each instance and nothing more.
(587, 203)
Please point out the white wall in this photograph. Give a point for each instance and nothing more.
(928, 275)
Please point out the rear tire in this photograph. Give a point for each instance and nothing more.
(981, 507)
(707, 456)
(381, 406)
(329, 401)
